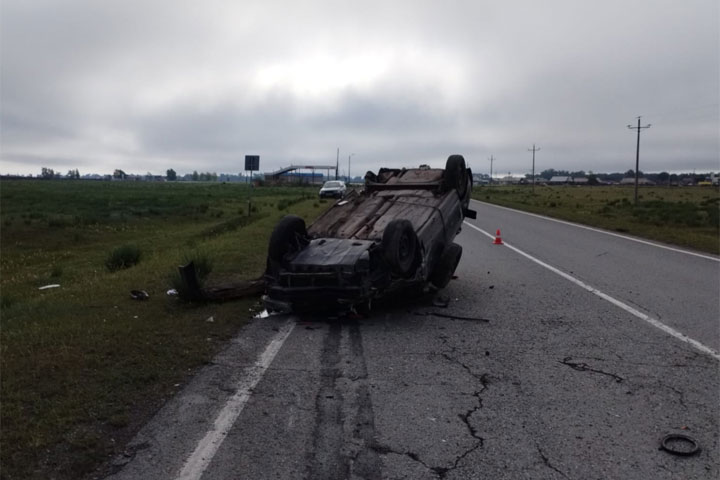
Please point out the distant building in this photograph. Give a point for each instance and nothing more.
(567, 180)
(559, 180)
(481, 178)
(509, 180)
(631, 181)
(297, 177)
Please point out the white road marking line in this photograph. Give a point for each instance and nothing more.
(652, 321)
(198, 462)
(598, 230)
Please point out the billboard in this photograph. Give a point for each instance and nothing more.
(252, 162)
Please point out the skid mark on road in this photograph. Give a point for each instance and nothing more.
(328, 460)
(652, 321)
(604, 232)
(345, 424)
(198, 462)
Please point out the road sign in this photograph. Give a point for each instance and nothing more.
(252, 162)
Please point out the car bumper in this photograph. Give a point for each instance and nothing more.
(331, 194)
(313, 299)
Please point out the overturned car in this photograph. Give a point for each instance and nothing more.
(396, 233)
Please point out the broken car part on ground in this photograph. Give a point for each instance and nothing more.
(396, 233)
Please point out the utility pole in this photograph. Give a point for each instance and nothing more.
(349, 157)
(491, 165)
(637, 154)
(337, 162)
(533, 169)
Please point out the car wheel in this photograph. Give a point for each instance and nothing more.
(288, 236)
(455, 176)
(400, 247)
(445, 268)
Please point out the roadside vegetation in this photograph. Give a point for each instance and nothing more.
(83, 364)
(684, 216)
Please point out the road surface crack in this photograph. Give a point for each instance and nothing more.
(442, 472)
(547, 463)
(465, 417)
(680, 393)
(482, 378)
(386, 450)
(584, 367)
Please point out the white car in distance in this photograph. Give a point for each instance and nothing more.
(333, 188)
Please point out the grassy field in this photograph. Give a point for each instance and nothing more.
(83, 365)
(685, 216)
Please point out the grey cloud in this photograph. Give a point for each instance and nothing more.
(175, 82)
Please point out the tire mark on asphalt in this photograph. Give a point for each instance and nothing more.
(344, 432)
(366, 463)
(327, 460)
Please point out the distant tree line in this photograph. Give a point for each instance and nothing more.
(203, 177)
(50, 173)
(118, 174)
(47, 173)
(661, 178)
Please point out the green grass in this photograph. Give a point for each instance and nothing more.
(84, 365)
(685, 216)
(121, 257)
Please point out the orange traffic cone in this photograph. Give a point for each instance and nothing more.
(498, 240)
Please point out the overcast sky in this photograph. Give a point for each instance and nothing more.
(196, 85)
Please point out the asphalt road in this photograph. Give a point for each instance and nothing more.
(564, 354)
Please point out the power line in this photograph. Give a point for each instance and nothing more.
(637, 154)
(687, 112)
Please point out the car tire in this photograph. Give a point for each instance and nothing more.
(449, 260)
(288, 236)
(400, 247)
(455, 176)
